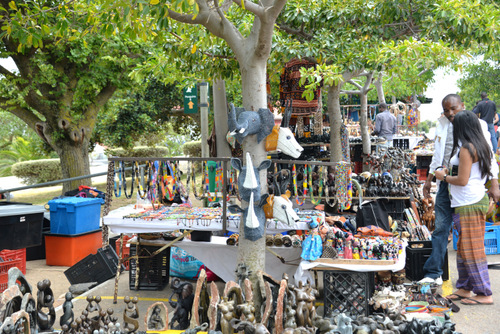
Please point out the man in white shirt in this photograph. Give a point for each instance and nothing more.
(443, 144)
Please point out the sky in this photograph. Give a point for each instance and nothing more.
(446, 83)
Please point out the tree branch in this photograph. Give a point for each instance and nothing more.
(299, 33)
(24, 114)
(258, 10)
(356, 92)
(352, 82)
(6, 72)
(104, 95)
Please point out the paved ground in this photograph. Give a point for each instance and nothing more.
(470, 319)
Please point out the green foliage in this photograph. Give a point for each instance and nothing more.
(143, 114)
(480, 77)
(192, 149)
(426, 125)
(139, 152)
(38, 171)
(20, 149)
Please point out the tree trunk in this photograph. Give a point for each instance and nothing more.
(380, 88)
(74, 159)
(253, 77)
(220, 118)
(363, 123)
(335, 122)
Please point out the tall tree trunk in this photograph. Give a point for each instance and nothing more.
(253, 77)
(220, 118)
(335, 122)
(363, 123)
(379, 87)
(74, 159)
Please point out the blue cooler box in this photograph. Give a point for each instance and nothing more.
(74, 215)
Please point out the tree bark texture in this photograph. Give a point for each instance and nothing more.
(335, 122)
(75, 162)
(220, 118)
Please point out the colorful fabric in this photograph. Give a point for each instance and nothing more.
(291, 89)
(471, 257)
(344, 143)
(343, 184)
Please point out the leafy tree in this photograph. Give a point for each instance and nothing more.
(143, 115)
(68, 70)
(426, 125)
(480, 77)
(20, 149)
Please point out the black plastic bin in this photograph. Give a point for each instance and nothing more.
(98, 267)
(347, 292)
(417, 252)
(153, 271)
(20, 225)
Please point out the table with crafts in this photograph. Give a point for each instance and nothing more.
(213, 253)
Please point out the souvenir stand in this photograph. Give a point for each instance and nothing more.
(127, 220)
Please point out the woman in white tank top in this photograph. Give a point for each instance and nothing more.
(470, 163)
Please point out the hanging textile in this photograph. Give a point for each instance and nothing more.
(412, 117)
(291, 89)
(344, 143)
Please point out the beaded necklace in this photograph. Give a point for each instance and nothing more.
(122, 164)
(188, 180)
(119, 187)
(152, 181)
(315, 201)
(328, 199)
(140, 184)
(294, 181)
(207, 186)
(166, 179)
(195, 189)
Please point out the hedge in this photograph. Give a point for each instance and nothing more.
(192, 148)
(38, 171)
(139, 152)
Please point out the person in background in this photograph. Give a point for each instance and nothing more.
(471, 158)
(443, 144)
(486, 110)
(385, 124)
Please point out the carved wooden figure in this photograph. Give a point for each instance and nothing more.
(46, 313)
(68, 316)
(185, 298)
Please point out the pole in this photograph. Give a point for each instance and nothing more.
(204, 119)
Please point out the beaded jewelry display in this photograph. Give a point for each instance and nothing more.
(153, 167)
(117, 172)
(207, 185)
(193, 177)
(295, 190)
(317, 200)
(343, 184)
(140, 184)
(330, 200)
(122, 165)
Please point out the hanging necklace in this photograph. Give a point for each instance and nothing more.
(152, 179)
(122, 163)
(140, 183)
(317, 200)
(117, 172)
(327, 189)
(195, 189)
(295, 190)
(207, 186)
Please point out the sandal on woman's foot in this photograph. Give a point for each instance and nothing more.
(473, 302)
(454, 297)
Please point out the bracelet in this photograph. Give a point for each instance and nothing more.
(444, 177)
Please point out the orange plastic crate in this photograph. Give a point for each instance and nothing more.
(125, 250)
(67, 250)
(11, 258)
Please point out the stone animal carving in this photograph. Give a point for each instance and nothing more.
(253, 217)
(183, 305)
(244, 123)
(248, 180)
(281, 208)
(45, 301)
(282, 139)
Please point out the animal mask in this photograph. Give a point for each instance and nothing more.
(252, 217)
(244, 123)
(248, 180)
